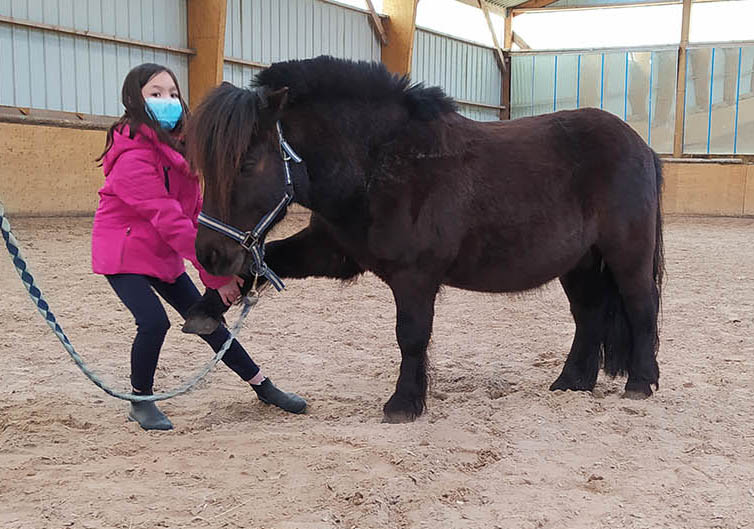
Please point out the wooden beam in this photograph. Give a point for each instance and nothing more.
(535, 4)
(521, 43)
(206, 34)
(93, 35)
(492, 7)
(396, 55)
(508, 37)
(477, 104)
(504, 74)
(55, 118)
(680, 87)
(499, 52)
(377, 23)
(244, 62)
(520, 9)
(505, 89)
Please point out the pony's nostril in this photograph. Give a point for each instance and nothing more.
(208, 257)
(214, 256)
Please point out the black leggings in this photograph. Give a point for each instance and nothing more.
(136, 292)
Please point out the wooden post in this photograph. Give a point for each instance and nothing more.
(680, 88)
(206, 34)
(505, 96)
(508, 38)
(396, 55)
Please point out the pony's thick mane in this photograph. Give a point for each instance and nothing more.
(223, 125)
(328, 78)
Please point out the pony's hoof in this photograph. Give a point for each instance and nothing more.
(565, 382)
(401, 410)
(398, 418)
(200, 325)
(637, 391)
(635, 395)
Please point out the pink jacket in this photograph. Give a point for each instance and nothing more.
(146, 219)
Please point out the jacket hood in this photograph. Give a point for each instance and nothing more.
(145, 138)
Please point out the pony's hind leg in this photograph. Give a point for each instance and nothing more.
(641, 301)
(631, 339)
(585, 287)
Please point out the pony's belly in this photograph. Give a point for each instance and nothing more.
(498, 280)
(512, 274)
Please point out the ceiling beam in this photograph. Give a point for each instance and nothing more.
(535, 4)
(492, 7)
(526, 8)
(521, 43)
(377, 23)
(500, 58)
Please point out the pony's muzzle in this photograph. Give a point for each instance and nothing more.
(208, 257)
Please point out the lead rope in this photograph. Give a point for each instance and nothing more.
(44, 309)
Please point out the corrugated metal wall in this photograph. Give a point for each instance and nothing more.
(47, 69)
(719, 105)
(50, 70)
(637, 86)
(267, 31)
(466, 71)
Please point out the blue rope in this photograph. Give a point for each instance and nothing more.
(709, 105)
(44, 309)
(602, 83)
(738, 93)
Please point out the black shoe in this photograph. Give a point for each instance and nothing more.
(269, 394)
(149, 416)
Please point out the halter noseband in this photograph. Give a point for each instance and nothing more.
(253, 241)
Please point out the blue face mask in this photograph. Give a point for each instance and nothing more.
(166, 111)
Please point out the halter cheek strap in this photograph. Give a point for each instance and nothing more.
(253, 241)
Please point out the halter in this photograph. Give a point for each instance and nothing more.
(253, 241)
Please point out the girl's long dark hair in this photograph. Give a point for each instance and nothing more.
(136, 113)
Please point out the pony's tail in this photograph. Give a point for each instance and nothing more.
(658, 266)
(218, 136)
(617, 341)
(658, 263)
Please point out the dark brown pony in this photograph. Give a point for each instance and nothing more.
(403, 186)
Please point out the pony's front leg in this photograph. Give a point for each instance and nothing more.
(415, 310)
(310, 252)
(205, 315)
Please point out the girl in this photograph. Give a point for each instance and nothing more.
(145, 226)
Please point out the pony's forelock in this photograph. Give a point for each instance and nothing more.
(218, 137)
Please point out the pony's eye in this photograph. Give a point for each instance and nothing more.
(247, 170)
(251, 161)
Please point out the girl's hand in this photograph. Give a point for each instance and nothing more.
(231, 291)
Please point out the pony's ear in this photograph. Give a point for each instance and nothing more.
(276, 100)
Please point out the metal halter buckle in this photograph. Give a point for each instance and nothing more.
(248, 241)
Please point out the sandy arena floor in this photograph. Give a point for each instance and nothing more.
(496, 449)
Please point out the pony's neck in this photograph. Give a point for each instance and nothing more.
(335, 145)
